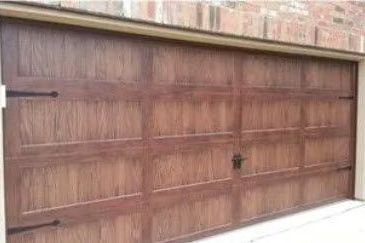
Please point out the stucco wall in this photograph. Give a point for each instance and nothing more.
(336, 24)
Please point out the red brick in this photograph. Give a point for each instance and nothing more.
(332, 38)
(179, 13)
(144, 10)
(339, 24)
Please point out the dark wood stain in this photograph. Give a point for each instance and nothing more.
(137, 147)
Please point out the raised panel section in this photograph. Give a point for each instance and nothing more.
(327, 149)
(120, 229)
(69, 183)
(65, 54)
(324, 74)
(270, 157)
(191, 217)
(327, 113)
(258, 114)
(269, 198)
(324, 187)
(45, 121)
(178, 168)
(261, 70)
(187, 65)
(192, 116)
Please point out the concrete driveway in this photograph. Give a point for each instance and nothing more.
(342, 222)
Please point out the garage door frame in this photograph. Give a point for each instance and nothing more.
(99, 22)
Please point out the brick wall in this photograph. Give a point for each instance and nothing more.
(336, 24)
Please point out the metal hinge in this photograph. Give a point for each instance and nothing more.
(16, 93)
(346, 167)
(21, 229)
(346, 97)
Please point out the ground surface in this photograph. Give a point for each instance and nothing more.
(342, 222)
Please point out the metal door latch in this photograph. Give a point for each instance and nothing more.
(237, 161)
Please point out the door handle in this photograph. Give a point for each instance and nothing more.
(237, 161)
(16, 93)
(21, 229)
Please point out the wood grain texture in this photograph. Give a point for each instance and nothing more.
(321, 74)
(262, 70)
(260, 114)
(61, 185)
(325, 150)
(187, 218)
(182, 65)
(53, 53)
(176, 118)
(139, 143)
(323, 187)
(123, 229)
(53, 121)
(270, 157)
(269, 198)
(330, 113)
(180, 168)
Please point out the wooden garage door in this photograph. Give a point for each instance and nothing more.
(114, 138)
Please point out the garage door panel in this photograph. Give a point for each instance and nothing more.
(60, 53)
(328, 113)
(269, 198)
(262, 70)
(192, 117)
(71, 183)
(322, 74)
(46, 121)
(123, 229)
(270, 157)
(74, 152)
(34, 44)
(328, 186)
(265, 114)
(138, 146)
(191, 217)
(183, 66)
(327, 150)
(194, 166)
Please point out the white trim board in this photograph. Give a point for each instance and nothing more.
(360, 134)
(2, 179)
